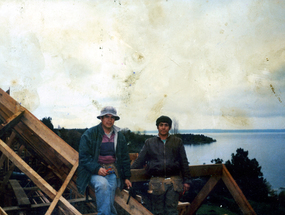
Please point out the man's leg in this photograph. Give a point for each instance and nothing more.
(112, 178)
(171, 201)
(157, 202)
(104, 191)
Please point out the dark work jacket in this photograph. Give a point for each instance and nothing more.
(89, 150)
(164, 160)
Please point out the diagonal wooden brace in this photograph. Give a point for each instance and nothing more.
(236, 193)
(202, 195)
(9, 143)
(61, 190)
(11, 122)
(36, 178)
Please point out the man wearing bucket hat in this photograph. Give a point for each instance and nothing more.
(166, 162)
(104, 161)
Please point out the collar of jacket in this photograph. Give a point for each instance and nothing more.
(166, 137)
(116, 129)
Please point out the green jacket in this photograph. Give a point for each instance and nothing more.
(89, 150)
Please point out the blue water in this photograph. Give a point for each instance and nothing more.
(268, 148)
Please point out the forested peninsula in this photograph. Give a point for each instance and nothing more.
(135, 140)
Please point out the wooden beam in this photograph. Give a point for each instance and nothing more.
(134, 207)
(195, 170)
(236, 192)
(10, 172)
(202, 195)
(20, 194)
(36, 178)
(9, 143)
(40, 205)
(2, 212)
(139, 175)
(205, 170)
(133, 157)
(183, 207)
(11, 122)
(61, 190)
(8, 105)
(49, 137)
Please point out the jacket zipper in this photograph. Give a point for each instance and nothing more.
(164, 159)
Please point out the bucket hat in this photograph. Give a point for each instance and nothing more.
(109, 110)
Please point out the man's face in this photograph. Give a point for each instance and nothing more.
(163, 129)
(108, 121)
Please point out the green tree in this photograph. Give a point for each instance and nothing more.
(247, 174)
(217, 161)
(47, 122)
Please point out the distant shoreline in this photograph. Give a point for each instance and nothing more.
(201, 131)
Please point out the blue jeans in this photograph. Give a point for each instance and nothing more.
(105, 188)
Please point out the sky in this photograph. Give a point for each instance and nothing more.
(206, 64)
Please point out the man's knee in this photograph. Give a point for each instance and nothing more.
(99, 183)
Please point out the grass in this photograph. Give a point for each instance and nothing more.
(213, 210)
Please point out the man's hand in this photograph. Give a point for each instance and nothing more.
(128, 183)
(186, 187)
(102, 172)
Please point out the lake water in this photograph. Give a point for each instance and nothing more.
(267, 147)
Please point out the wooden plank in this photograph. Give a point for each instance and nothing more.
(11, 169)
(8, 106)
(237, 193)
(50, 138)
(202, 195)
(11, 122)
(20, 194)
(133, 157)
(61, 190)
(205, 170)
(44, 151)
(134, 207)
(37, 128)
(41, 196)
(40, 205)
(182, 207)
(195, 170)
(139, 175)
(2, 212)
(36, 178)
(9, 143)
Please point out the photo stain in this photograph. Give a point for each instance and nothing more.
(14, 82)
(273, 90)
(138, 57)
(156, 110)
(96, 104)
(130, 82)
(28, 98)
(234, 116)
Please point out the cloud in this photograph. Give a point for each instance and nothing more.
(216, 64)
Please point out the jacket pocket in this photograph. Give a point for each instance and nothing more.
(156, 186)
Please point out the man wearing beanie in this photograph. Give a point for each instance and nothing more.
(104, 161)
(166, 162)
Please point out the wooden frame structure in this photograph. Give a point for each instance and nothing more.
(54, 152)
(39, 140)
(216, 172)
(33, 136)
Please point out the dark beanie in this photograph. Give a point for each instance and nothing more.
(164, 119)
